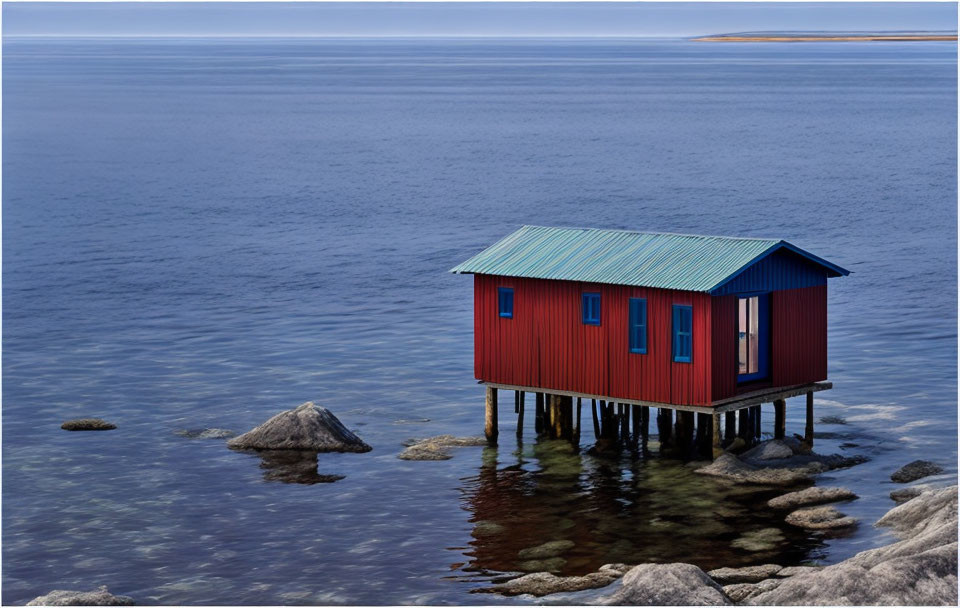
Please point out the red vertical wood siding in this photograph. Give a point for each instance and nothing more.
(798, 324)
(547, 345)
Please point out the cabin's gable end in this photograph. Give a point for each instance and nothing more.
(780, 269)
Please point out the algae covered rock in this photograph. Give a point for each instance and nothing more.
(307, 427)
(810, 496)
(98, 597)
(728, 466)
(544, 583)
(915, 470)
(552, 548)
(438, 448)
(205, 433)
(667, 585)
(87, 424)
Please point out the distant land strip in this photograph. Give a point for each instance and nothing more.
(774, 37)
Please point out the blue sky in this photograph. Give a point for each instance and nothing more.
(465, 19)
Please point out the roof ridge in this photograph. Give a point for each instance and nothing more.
(652, 232)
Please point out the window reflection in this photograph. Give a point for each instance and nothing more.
(749, 335)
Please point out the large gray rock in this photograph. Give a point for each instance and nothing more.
(88, 424)
(438, 448)
(544, 583)
(728, 466)
(902, 495)
(749, 574)
(810, 496)
(739, 592)
(667, 585)
(307, 427)
(819, 518)
(99, 597)
(775, 449)
(920, 569)
(915, 470)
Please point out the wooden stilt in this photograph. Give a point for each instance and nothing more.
(644, 426)
(635, 415)
(779, 419)
(716, 448)
(577, 434)
(596, 421)
(520, 406)
(491, 426)
(808, 429)
(625, 423)
(664, 426)
(704, 433)
(730, 430)
(756, 422)
(538, 420)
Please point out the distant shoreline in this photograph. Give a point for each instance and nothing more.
(827, 38)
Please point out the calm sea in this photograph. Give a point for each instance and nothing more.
(201, 233)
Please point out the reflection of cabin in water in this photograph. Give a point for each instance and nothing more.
(699, 324)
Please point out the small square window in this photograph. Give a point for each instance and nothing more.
(506, 302)
(590, 308)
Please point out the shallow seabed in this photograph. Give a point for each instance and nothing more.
(204, 233)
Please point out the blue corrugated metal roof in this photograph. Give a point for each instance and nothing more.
(622, 257)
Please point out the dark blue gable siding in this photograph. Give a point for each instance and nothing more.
(781, 269)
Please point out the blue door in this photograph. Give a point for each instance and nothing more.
(753, 338)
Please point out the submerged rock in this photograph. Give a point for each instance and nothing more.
(552, 548)
(759, 540)
(832, 420)
(88, 424)
(99, 597)
(916, 470)
(544, 583)
(438, 448)
(205, 433)
(920, 569)
(810, 496)
(667, 585)
(749, 574)
(819, 518)
(552, 564)
(764, 465)
(307, 427)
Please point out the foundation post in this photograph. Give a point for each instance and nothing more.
(664, 426)
(744, 430)
(596, 420)
(716, 448)
(730, 430)
(779, 419)
(491, 429)
(520, 403)
(756, 422)
(635, 435)
(624, 423)
(538, 420)
(644, 425)
(577, 435)
(808, 429)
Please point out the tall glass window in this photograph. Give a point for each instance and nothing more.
(749, 336)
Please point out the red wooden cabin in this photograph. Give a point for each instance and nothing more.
(648, 318)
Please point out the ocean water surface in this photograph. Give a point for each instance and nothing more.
(202, 233)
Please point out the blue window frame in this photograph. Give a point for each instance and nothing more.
(638, 325)
(682, 333)
(591, 309)
(505, 296)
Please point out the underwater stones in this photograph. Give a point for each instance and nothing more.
(98, 597)
(552, 564)
(915, 470)
(769, 450)
(749, 574)
(486, 527)
(832, 420)
(667, 585)
(437, 448)
(307, 427)
(819, 518)
(904, 494)
(549, 549)
(87, 424)
(544, 583)
(759, 540)
(205, 433)
(810, 496)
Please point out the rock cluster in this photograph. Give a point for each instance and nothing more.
(438, 448)
(777, 463)
(307, 427)
(544, 583)
(820, 518)
(88, 424)
(98, 597)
